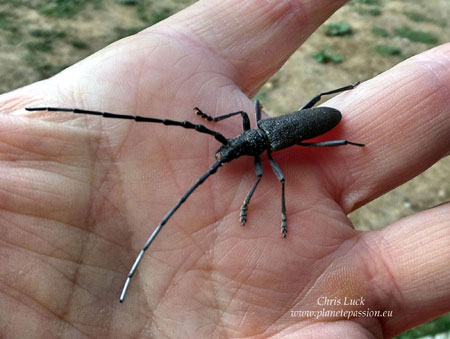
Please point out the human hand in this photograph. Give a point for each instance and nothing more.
(80, 195)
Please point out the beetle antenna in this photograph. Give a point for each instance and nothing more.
(185, 124)
(211, 171)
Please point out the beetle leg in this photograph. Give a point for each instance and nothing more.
(280, 177)
(330, 143)
(244, 208)
(314, 100)
(244, 115)
(258, 108)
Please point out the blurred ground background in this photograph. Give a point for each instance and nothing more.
(38, 38)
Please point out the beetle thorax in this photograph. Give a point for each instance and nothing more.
(252, 142)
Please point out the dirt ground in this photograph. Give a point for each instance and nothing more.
(39, 38)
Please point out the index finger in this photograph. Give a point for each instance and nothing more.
(403, 117)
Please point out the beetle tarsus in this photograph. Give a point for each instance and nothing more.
(283, 225)
(243, 214)
(202, 115)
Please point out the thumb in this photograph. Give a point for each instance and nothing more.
(255, 37)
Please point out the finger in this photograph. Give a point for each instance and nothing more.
(409, 268)
(402, 116)
(254, 37)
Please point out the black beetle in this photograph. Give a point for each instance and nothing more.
(272, 134)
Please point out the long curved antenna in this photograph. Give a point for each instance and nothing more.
(211, 171)
(185, 124)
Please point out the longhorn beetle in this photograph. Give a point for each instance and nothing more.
(272, 134)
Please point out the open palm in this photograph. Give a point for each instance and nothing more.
(80, 194)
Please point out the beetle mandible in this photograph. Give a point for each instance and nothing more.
(272, 134)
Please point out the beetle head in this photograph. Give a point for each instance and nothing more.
(229, 151)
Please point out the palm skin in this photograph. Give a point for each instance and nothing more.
(80, 195)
